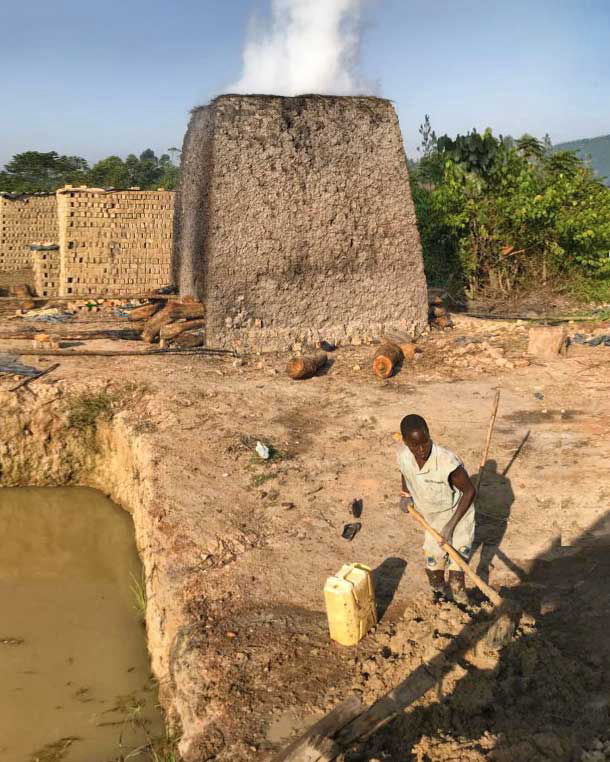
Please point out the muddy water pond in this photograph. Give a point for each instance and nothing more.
(75, 679)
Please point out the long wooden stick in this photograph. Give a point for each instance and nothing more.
(88, 297)
(30, 379)
(452, 552)
(124, 353)
(316, 742)
(488, 440)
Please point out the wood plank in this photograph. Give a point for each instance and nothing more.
(316, 744)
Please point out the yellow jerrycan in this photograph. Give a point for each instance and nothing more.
(350, 604)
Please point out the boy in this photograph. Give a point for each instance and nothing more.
(435, 480)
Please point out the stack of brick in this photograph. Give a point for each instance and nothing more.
(46, 265)
(24, 219)
(114, 242)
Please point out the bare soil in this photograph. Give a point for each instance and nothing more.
(247, 544)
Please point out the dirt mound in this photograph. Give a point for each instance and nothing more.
(526, 701)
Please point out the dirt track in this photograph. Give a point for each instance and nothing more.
(249, 544)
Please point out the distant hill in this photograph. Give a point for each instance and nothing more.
(596, 148)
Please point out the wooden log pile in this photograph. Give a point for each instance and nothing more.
(179, 323)
(438, 315)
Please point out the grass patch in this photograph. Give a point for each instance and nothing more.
(259, 479)
(138, 590)
(87, 409)
(145, 427)
(56, 751)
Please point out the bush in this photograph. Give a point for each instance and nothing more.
(501, 216)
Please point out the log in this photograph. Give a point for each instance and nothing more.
(112, 334)
(172, 311)
(189, 339)
(386, 358)
(444, 321)
(408, 350)
(144, 312)
(305, 367)
(171, 330)
(123, 353)
(315, 743)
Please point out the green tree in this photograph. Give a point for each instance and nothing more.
(503, 217)
(110, 172)
(33, 171)
(530, 147)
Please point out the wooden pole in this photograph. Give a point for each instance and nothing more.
(30, 379)
(488, 440)
(316, 743)
(124, 353)
(89, 297)
(452, 552)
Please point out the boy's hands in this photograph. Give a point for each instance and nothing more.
(405, 502)
(447, 531)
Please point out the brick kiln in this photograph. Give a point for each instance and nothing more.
(295, 223)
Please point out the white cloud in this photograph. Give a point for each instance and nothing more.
(312, 46)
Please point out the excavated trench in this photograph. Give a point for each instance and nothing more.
(73, 435)
(72, 646)
(230, 658)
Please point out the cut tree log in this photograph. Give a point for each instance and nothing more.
(172, 311)
(408, 350)
(305, 367)
(386, 358)
(171, 330)
(188, 340)
(444, 321)
(316, 744)
(145, 312)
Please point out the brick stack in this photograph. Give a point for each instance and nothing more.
(24, 219)
(46, 264)
(114, 242)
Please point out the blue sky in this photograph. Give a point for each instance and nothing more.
(93, 78)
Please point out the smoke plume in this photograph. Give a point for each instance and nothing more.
(311, 46)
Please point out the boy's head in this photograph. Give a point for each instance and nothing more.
(416, 436)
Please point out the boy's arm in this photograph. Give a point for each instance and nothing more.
(405, 495)
(459, 479)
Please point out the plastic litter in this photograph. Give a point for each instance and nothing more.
(262, 451)
(351, 530)
(61, 318)
(595, 341)
(9, 364)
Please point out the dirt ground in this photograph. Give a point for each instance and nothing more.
(253, 541)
